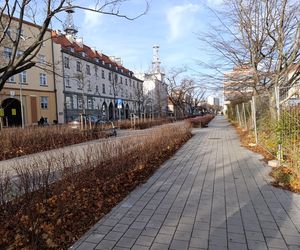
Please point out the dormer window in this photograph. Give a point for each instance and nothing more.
(116, 68)
(72, 49)
(97, 60)
(122, 70)
(103, 63)
(83, 54)
(109, 65)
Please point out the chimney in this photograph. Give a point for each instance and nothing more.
(79, 41)
(118, 60)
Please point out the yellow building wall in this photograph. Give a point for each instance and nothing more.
(49, 113)
(32, 86)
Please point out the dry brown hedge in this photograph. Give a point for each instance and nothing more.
(53, 215)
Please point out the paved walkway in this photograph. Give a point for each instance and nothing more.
(213, 194)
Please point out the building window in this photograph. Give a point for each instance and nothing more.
(42, 59)
(72, 50)
(116, 78)
(12, 79)
(43, 79)
(121, 80)
(8, 32)
(79, 101)
(103, 88)
(89, 86)
(19, 53)
(79, 85)
(103, 76)
(44, 102)
(83, 54)
(109, 76)
(78, 66)
(88, 70)
(130, 82)
(68, 102)
(67, 62)
(23, 77)
(67, 80)
(133, 84)
(7, 52)
(90, 103)
(96, 70)
(126, 81)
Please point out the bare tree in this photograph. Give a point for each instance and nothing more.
(265, 35)
(116, 89)
(13, 14)
(182, 93)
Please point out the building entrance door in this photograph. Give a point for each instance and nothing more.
(12, 112)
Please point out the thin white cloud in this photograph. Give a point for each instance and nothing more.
(215, 2)
(181, 20)
(91, 19)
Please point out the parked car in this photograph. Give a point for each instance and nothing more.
(107, 127)
(83, 121)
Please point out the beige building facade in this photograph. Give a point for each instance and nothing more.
(31, 93)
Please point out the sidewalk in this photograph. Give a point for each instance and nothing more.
(212, 194)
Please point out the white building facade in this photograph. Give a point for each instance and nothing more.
(155, 94)
(89, 82)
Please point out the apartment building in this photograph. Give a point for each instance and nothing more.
(89, 82)
(31, 93)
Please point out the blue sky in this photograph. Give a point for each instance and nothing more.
(172, 24)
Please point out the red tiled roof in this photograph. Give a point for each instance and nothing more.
(65, 43)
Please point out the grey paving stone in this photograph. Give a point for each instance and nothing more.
(86, 246)
(163, 238)
(276, 243)
(144, 240)
(126, 242)
(256, 236)
(237, 238)
(120, 228)
(211, 193)
(94, 237)
(114, 236)
(158, 246)
(237, 246)
(179, 245)
(139, 247)
(133, 233)
(199, 243)
(167, 230)
(150, 231)
(106, 245)
(182, 235)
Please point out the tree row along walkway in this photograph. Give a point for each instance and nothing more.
(212, 194)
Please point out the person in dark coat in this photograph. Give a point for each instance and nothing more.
(41, 121)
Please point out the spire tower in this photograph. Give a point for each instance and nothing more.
(155, 61)
(69, 26)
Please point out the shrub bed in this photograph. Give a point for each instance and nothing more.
(201, 121)
(17, 142)
(53, 215)
(144, 124)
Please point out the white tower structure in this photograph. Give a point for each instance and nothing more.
(69, 26)
(155, 61)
